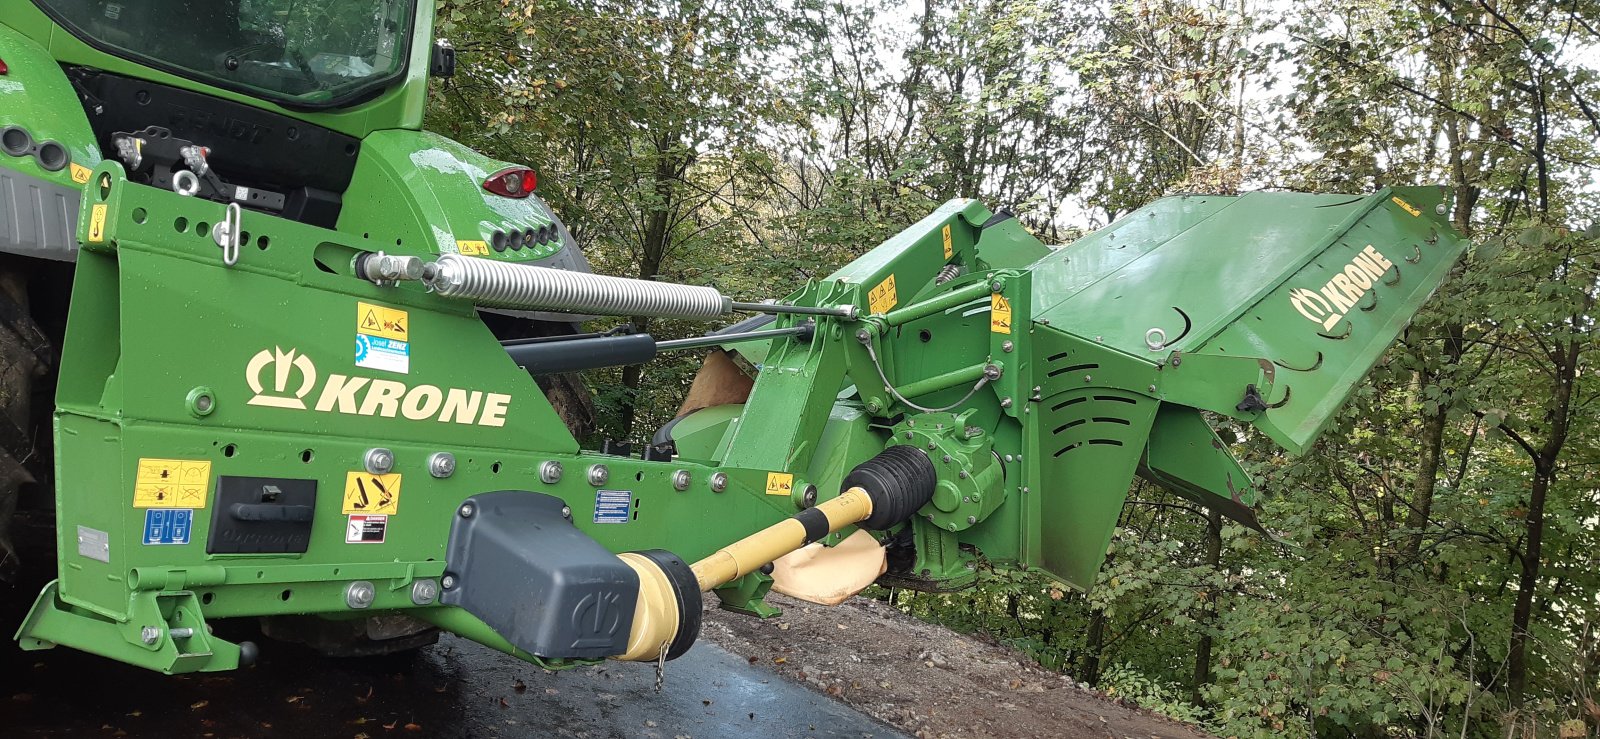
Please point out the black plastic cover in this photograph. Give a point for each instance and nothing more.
(521, 567)
(262, 515)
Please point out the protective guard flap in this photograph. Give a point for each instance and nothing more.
(1185, 456)
(1327, 324)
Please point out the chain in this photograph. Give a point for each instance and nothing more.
(661, 665)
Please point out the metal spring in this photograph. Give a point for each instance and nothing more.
(948, 273)
(519, 286)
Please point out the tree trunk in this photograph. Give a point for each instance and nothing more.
(1090, 668)
(653, 252)
(1202, 651)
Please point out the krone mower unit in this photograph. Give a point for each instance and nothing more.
(278, 396)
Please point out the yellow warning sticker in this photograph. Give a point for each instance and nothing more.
(473, 248)
(376, 320)
(377, 495)
(882, 297)
(948, 252)
(97, 224)
(80, 173)
(171, 483)
(999, 314)
(779, 483)
(1407, 207)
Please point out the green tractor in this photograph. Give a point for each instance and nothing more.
(278, 394)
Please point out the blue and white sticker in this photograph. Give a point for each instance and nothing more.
(377, 352)
(611, 506)
(168, 525)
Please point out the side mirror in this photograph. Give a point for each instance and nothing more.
(442, 62)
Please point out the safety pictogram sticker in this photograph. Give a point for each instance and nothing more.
(371, 494)
(171, 483)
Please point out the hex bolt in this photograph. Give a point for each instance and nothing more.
(598, 474)
(150, 634)
(932, 446)
(424, 591)
(945, 459)
(441, 464)
(449, 581)
(202, 404)
(1087, 378)
(962, 474)
(1025, 489)
(966, 499)
(1005, 402)
(182, 632)
(681, 480)
(360, 594)
(809, 497)
(908, 434)
(1010, 458)
(972, 519)
(566, 512)
(951, 526)
(1007, 346)
(1152, 388)
(550, 472)
(719, 482)
(996, 286)
(467, 510)
(378, 461)
(863, 336)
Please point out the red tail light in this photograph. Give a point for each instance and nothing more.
(512, 182)
(3, 67)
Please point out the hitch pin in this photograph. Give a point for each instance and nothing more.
(227, 233)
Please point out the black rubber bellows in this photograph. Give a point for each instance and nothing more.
(899, 481)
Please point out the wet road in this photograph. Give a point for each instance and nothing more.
(454, 689)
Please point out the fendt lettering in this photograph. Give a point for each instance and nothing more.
(1341, 293)
(367, 396)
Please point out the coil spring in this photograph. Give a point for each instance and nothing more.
(526, 287)
(948, 273)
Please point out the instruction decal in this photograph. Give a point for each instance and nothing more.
(612, 506)
(473, 248)
(171, 483)
(80, 173)
(948, 252)
(366, 493)
(168, 525)
(780, 483)
(97, 224)
(1407, 207)
(882, 298)
(365, 529)
(383, 338)
(999, 314)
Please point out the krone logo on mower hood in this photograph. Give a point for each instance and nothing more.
(1334, 301)
(365, 396)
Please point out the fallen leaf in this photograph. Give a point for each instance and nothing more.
(294, 699)
(754, 660)
(650, 724)
(367, 697)
(705, 703)
(783, 627)
(390, 726)
(440, 688)
(135, 713)
(413, 727)
(835, 691)
(197, 705)
(780, 660)
(361, 721)
(363, 735)
(842, 627)
(504, 703)
(519, 686)
(550, 691)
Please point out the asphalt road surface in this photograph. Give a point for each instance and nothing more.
(453, 689)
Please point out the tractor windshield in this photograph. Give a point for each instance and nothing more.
(303, 53)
